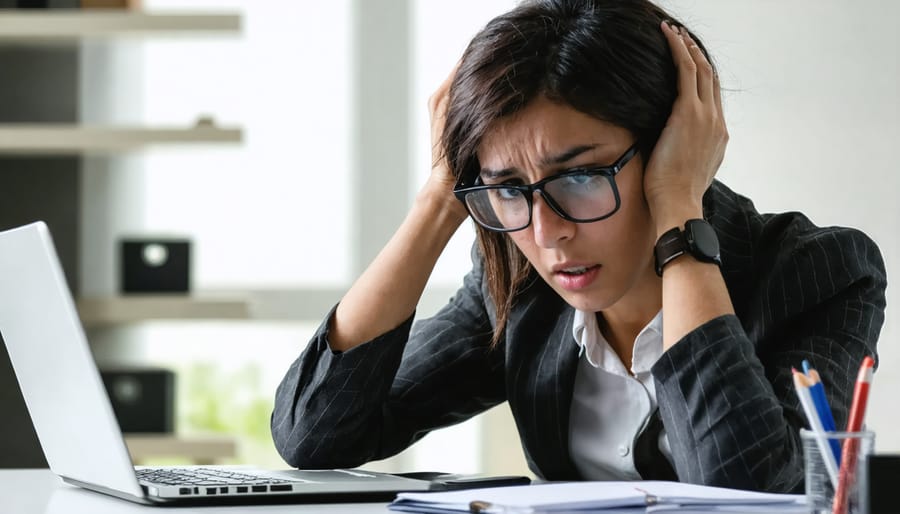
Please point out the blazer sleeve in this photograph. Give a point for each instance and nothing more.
(725, 390)
(341, 410)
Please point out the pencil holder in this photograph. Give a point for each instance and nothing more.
(836, 470)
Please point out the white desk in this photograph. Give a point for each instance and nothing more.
(42, 492)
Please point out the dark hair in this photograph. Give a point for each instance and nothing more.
(606, 58)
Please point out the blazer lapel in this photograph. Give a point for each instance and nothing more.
(541, 360)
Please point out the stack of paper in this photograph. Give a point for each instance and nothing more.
(575, 497)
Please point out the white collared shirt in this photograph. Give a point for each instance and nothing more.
(610, 407)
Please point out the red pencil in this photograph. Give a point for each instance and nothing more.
(860, 395)
(847, 474)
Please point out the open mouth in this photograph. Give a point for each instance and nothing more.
(579, 270)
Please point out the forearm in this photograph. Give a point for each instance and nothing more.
(725, 422)
(388, 291)
(693, 292)
(329, 408)
(372, 401)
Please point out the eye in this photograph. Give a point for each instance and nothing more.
(580, 183)
(506, 193)
(579, 179)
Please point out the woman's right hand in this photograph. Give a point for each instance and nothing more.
(441, 181)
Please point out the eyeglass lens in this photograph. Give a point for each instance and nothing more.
(582, 197)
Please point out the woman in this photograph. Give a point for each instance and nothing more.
(640, 318)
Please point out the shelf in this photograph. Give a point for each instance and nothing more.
(128, 309)
(49, 138)
(200, 449)
(64, 24)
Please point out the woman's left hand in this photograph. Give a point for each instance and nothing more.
(692, 144)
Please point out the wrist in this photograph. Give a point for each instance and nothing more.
(440, 205)
(670, 216)
(698, 239)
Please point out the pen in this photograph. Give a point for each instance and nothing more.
(478, 507)
(483, 507)
(801, 384)
(851, 445)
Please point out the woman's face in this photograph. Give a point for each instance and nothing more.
(591, 265)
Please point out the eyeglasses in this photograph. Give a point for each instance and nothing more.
(582, 195)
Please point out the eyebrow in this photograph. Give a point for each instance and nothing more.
(561, 158)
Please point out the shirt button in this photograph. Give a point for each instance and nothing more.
(623, 450)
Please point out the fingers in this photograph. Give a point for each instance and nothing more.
(704, 71)
(439, 97)
(697, 118)
(687, 69)
(717, 95)
(695, 73)
(437, 110)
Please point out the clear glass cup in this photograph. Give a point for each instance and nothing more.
(833, 488)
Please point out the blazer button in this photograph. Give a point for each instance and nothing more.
(623, 450)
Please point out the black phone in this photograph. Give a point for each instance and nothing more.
(441, 481)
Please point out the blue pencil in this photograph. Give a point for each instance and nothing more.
(806, 367)
(802, 384)
(817, 391)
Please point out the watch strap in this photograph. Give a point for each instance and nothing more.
(669, 246)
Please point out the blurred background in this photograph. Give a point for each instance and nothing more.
(285, 141)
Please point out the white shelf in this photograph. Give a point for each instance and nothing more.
(73, 24)
(204, 450)
(70, 138)
(127, 309)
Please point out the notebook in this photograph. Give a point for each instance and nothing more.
(74, 420)
(571, 497)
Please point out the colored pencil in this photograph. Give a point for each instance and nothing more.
(817, 390)
(851, 445)
(801, 384)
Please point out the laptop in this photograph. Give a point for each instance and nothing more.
(74, 419)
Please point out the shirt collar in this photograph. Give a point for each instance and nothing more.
(598, 352)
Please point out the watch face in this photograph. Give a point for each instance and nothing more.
(702, 238)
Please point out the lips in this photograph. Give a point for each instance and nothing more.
(573, 277)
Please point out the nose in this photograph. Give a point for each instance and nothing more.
(550, 229)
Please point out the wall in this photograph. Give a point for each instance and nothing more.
(811, 104)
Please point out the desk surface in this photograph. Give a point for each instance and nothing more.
(30, 491)
(27, 491)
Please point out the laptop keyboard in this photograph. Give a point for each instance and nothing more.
(207, 476)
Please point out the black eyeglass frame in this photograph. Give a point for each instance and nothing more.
(461, 191)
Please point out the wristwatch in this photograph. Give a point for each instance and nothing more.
(697, 239)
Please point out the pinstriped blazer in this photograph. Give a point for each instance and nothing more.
(725, 390)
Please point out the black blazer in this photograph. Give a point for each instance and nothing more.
(725, 390)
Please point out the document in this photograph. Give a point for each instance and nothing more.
(620, 497)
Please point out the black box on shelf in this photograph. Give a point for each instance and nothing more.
(155, 265)
(143, 399)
